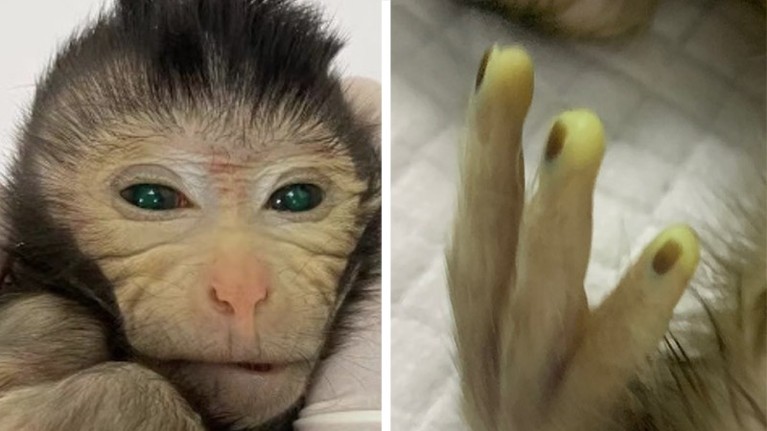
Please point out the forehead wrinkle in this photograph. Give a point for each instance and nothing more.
(270, 127)
(129, 138)
(191, 137)
(226, 153)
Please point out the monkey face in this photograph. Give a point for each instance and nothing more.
(196, 172)
(224, 249)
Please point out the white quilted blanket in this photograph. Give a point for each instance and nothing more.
(683, 106)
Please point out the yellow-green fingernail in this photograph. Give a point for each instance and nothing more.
(676, 247)
(583, 133)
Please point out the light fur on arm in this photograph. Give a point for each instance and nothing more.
(55, 374)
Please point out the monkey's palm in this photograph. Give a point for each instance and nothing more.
(532, 355)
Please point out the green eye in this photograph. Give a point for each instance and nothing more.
(296, 198)
(154, 197)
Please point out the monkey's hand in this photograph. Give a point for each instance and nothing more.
(532, 355)
(54, 375)
(111, 396)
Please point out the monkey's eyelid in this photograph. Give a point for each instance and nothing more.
(155, 197)
(146, 174)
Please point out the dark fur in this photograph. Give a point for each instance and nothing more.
(148, 57)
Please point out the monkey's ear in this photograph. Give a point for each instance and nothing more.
(364, 95)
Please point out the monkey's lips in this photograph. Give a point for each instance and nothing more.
(263, 369)
(256, 367)
(256, 388)
(242, 363)
(250, 367)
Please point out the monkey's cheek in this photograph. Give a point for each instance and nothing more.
(246, 397)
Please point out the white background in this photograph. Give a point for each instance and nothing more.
(31, 30)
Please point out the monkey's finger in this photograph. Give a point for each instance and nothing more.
(548, 309)
(492, 194)
(481, 258)
(628, 325)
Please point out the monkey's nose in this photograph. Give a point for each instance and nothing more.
(236, 288)
(239, 300)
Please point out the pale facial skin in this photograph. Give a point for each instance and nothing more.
(232, 296)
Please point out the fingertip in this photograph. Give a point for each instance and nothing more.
(580, 140)
(506, 73)
(675, 250)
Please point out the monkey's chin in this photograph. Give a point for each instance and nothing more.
(244, 394)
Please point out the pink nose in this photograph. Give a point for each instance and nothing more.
(237, 286)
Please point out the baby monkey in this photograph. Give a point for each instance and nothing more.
(191, 216)
(531, 354)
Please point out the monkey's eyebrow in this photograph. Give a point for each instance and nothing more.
(304, 138)
(121, 144)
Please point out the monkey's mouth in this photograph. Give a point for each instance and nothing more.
(256, 367)
(250, 367)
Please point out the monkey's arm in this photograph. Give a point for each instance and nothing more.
(531, 353)
(44, 338)
(55, 374)
(110, 396)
